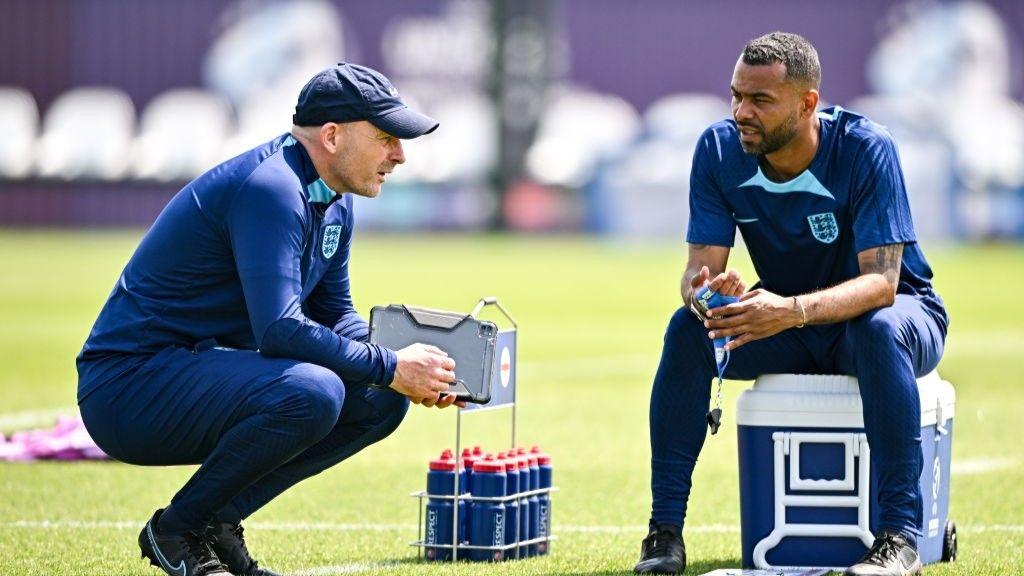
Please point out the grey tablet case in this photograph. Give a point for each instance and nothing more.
(470, 342)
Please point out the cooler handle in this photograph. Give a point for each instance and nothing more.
(940, 421)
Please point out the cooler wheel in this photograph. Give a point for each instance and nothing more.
(949, 542)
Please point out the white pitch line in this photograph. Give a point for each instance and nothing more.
(33, 418)
(357, 527)
(606, 529)
(275, 526)
(1011, 528)
(973, 466)
(354, 568)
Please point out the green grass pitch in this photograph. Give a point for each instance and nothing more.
(592, 315)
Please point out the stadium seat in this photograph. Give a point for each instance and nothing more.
(87, 133)
(683, 117)
(654, 170)
(644, 191)
(182, 134)
(928, 169)
(987, 135)
(576, 130)
(19, 124)
(260, 118)
(905, 117)
(465, 118)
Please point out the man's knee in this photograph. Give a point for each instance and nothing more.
(392, 409)
(313, 395)
(880, 327)
(684, 326)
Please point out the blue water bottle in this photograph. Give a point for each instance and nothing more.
(524, 503)
(534, 468)
(488, 517)
(441, 481)
(512, 505)
(544, 524)
(468, 458)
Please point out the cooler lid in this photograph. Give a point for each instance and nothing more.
(829, 401)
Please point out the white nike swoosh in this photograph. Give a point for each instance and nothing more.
(745, 220)
(179, 570)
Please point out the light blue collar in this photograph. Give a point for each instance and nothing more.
(319, 191)
(805, 182)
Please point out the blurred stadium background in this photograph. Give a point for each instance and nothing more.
(568, 115)
(558, 181)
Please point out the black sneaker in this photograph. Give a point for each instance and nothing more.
(890, 555)
(229, 544)
(663, 551)
(179, 555)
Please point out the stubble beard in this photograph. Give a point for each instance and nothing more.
(774, 140)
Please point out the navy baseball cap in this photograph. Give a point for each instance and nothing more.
(349, 93)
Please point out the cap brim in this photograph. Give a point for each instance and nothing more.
(405, 123)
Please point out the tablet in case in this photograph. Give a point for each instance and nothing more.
(470, 342)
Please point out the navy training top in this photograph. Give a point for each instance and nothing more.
(804, 234)
(254, 254)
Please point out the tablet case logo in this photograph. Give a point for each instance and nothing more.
(824, 227)
(332, 236)
(506, 367)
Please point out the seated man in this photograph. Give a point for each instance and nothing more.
(230, 339)
(844, 288)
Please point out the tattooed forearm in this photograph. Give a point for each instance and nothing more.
(885, 260)
(858, 295)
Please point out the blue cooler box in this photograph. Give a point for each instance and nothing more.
(807, 491)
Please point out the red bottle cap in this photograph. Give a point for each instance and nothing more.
(478, 451)
(488, 464)
(511, 462)
(542, 458)
(445, 463)
(468, 458)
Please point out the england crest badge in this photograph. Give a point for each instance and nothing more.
(332, 236)
(824, 227)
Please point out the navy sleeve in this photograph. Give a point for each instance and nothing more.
(711, 220)
(266, 224)
(881, 210)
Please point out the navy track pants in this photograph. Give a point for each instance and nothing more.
(256, 425)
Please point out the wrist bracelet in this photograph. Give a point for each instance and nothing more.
(803, 313)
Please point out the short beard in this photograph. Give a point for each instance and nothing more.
(774, 140)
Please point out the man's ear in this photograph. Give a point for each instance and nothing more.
(810, 101)
(330, 134)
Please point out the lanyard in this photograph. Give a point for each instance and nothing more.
(710, 299)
